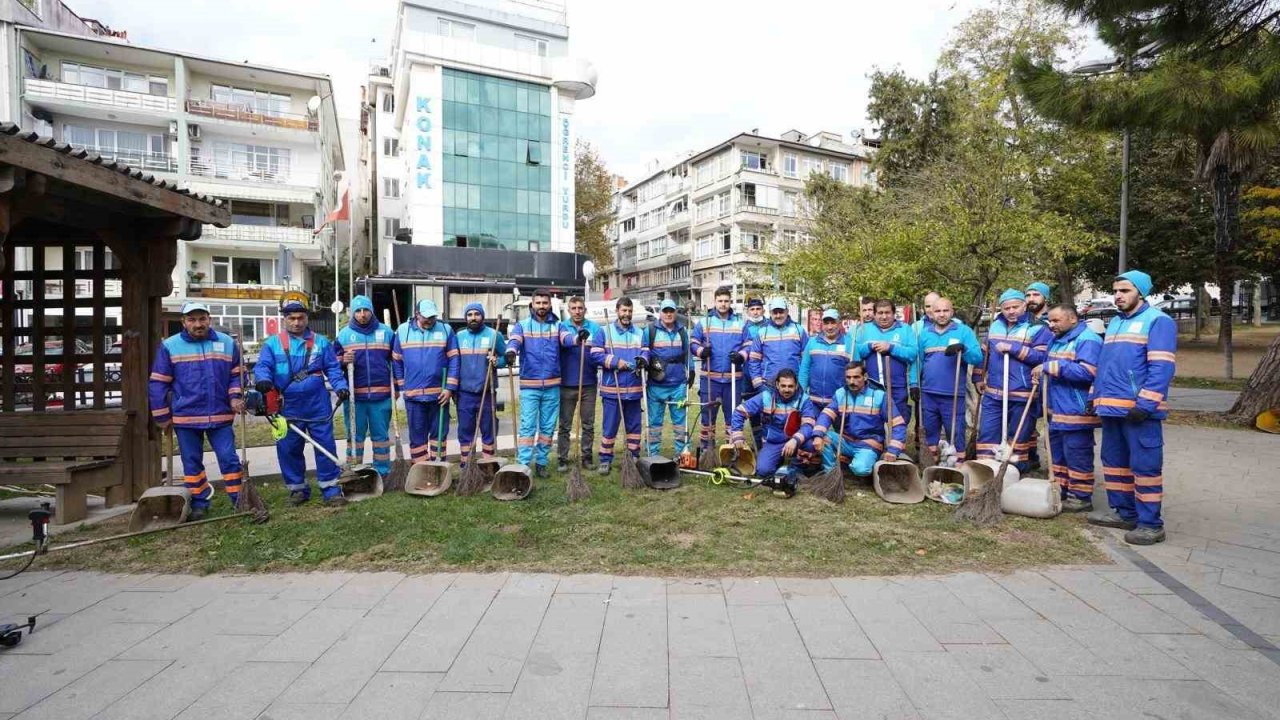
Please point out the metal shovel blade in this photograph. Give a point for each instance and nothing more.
(512, 482)
(938, 479)
(360, 482)
(898, 482)
(659, 473)
(745, 464)
(429, 479)
(160, 507)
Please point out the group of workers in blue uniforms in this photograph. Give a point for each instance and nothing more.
(793, 390)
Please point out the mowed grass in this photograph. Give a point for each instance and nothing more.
(698, 529)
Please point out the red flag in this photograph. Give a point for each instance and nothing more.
(343, 212)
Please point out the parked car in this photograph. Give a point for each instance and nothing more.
(1094, 304)
(1181, 306)
(1097, 318)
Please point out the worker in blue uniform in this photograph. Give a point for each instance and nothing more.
(715, 341)
(1013, 341)
(622, 355)
(365, 346)
(788, 419)
(481, 351)
(1068, 375)
(669, 378)
(824, 359)
(424, 359)
(949, 351)
(861, 406)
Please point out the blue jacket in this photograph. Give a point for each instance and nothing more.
(672, 347)
(902, 352)
(284, 356)
(1070, 371)
(612, 346)
(822, 365)
(1136, 364)
(938, 369)
(473, 357)
(750, 331)
(203, 376)
(1030, 347)
(865, 416)
(419, 357)
(372, 368)
(774, 413)
(538, 344)
(570, 354)
(724, 337)
(775, 347)
(918, 328)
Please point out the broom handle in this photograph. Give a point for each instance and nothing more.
(577, 409)
(1004, 402)
(1004, 464)
(484, 390)
(971, 447)
(888, 398)
(169, 447)
(955, 398)
(442, 408)
(1044, 410)
(840, 407)
(617, 391)
(395, 424)
(511, 386)
(244, 429)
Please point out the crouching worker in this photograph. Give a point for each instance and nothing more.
(295, 364)
(788, 418)
(865, 414)
(195, 384)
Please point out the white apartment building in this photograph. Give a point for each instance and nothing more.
(263, 139)
(706, 221)
(468, 162)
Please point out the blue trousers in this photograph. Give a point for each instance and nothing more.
(612, 419)
(191, 448)
(293, 464)
(1073, 462)
(757, 422)
(769, 459)
(1132, 462)
(659, 396)
(373, 417)
(862, 457)
(935, 415)
(425, 438)
(469, 405)
(990, 433)
(539, 411)
(714, 391)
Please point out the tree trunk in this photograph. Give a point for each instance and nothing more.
(1226, 292)
(1226, 216)
(1257, 303)
(1066, 285)
(1202, 309)
(1263, 390)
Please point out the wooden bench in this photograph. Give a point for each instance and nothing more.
(75, 451)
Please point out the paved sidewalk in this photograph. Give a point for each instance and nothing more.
(1202, 399)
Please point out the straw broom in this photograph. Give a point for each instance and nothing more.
(575, 488)
(707, 458)
(830, 485)
(984, 507)
(472, 480)
(394, 481)
(248, 500)
(627, 469)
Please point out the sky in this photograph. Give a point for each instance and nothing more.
(674, 75)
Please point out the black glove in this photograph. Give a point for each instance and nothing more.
(1088, 408)
(705, 352)
(738, 359)
(264, 386)
(511, 357)
(1137, 415)
(953, 349)
(583, 335)
(343, 395)
(640, 363)
(688, 381)
(915, 394)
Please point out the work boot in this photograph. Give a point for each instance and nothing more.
(603, 469)
(1109, 518)
(197, 513)
(1144, 536)
(1076, 505)
(563, 467)
(540, 471)
(298, 497)
(335, 500)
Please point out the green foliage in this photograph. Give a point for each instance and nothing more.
(593, 206)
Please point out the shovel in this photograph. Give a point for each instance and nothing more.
(433, 477)
(744, 460)
(938, 477)
(1005, 450)
(513, 481)
(657, 471)
(896, 481)
(165, 505)
(358, 482)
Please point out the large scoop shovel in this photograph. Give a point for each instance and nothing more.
(896, 481)
(165, 505)
(943, 481)
(433, 477)
(657, 471)
(513, 481)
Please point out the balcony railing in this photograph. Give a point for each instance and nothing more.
(136, 159)
(102, 97)
(83, 288)
(259, 234)
(757, 209)
(251, 173)
(241, 113)
(235, 291)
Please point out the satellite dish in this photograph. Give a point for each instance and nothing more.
(337, 307)
(313, 105)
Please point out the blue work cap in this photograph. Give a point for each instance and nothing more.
(428, 309)
(1011, 294)
(191, 306)
(1039, 287)
(1140, 280)
(831, 314)
(777, 304)
(667, 305)
(755, 302)
(360, 302)
(473, 306)
(293, 306)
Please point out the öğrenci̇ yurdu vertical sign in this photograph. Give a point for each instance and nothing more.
(423, 144)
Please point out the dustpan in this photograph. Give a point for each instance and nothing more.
(659, 473)
(432, 477)
(979, 473)
(358, 483)
(512, 482)
(165, 505)
(896, 481)
(940, 483)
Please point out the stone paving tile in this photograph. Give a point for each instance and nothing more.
(531, 584)
(86, 696)
(438, 637)
(393, 696)
(612, 713)
(466, 706)
(495, 652)
(482, 582)
(631, 670)
(309, 638)
(805, 587)
(864, 689)
(1004, 673)
(1113, 697)
(249, 615)
(1252, 583)
(827, 628)
(775, 664)
(256, 686)
(1130, 611)
(588, 584)
(986, 598)
(1044, 710)
(64, 593)
(146, 607)
(1049, 647)
(363, 591)
(698, 625)
(303, 711)
(708, 688)
(1246, 676)
(751, 591)
(339, 674)
(160, 583)
(694, 586)
(556, 679)
(939, 688)
(416, 593)
(1136, 582)
(639, 588)
(312, 586)
(26, 580)
(886, 621)
(947, 619)
(1235, 557)
(1196, 620)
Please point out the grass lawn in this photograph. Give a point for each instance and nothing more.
(698, 529)
(1204, 383)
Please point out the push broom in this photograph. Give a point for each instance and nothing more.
(628, 471)
(400, 466)
(575, 488)
(473, 478)
(983, 509)
(830, 485)
(708, 460)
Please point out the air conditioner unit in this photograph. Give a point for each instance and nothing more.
(173, 128)
(193, 131)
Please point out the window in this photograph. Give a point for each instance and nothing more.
(629, 225)
(388, 102)
(839, 172)
(790, 166)
(704, 247)
(391, 146)
(78, 74)
(459, 30)
(788, 238)
(812, 165)
(257, 101)
(390, 226)
(755, 160)
(140, 150)
(722, 204)
(789, 203)
(750, 242)
(247, 162)
(749, 194)
(531, 45)
(726, 242)
(658, 246)
(678, 207)
(706, 209)
(680, 272)
(391, 187)
(706, 173)
(642, 251)
(221, 269)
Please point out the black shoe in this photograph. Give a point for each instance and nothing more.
(1144, 536)
(1076, 505)
(337, 500)
(603, 469)
(297, 498)
(563, 467)
(539, 471)
(1109, 518)
(197, 513)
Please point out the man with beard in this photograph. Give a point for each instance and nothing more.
(779, 344)
(751, 328)
(888, 346)
(365, 345)
(537, 340)
(788, 423)
(622, 355)
(862, 404)
(424, 358)
(1134, 372)
(669, 378)
(715, 341)
(824, 359)
(1015, 343)
(481, 350)
(1038, 302)
(580, 330)
(1070, 372)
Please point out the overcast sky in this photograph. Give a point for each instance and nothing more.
(675, 75)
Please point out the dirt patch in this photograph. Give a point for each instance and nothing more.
(686, 540)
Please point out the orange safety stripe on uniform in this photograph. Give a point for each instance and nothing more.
(180, 420)
(1149, 497)
(161, 378)
(1076, 419)
(1151, 395)
(525, 441)
(1114, 402)
(997, 393)
(228, 477)
(1160, 356)
(535, 383)
(160, 412)
(1120, 471)
(373, 389)
(416, 449)
(1154, 481)
(1079, 475)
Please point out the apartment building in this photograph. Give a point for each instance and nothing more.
(263, 139)
(468, 159)
(709, 219)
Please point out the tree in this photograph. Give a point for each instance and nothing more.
(1207, 71)
(916, 120)
(593, 206)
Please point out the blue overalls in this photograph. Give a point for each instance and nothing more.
(425, 363)
(1070, 372)
(475, 349)
(723, 335)
(940, 398)
(865, 416)
(672, 348)
(615, 345)
(371, 372)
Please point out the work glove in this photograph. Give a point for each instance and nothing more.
(641, 363)
(738, 359)
(263, 386)
(915, 394)
(511, 357)
(1088, 408)
(688, 381)
(343, 395)
(705, 352)
(1137, 415)
(583, 335)
(953, 349)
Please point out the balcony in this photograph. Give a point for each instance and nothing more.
(49, 91)
(678, 220)
(136, 159)
(238, 172)
(83, 288)
(678, 253)
(235, 291)
(744, 207)
(264, 234)
(241, 113)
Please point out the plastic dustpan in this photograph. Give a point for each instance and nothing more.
(512, 482)
(159, 507)
(898, 482)
(429, 479)
(943, 484)
(659, 473)
(743, 464)
(489, 466)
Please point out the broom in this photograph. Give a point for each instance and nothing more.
(830, 485)
(248, 500)
(707, 459)
(575, 487)
(472, 480)
(984, 507)
(971, 447)
(394, 482)
(627, 469)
